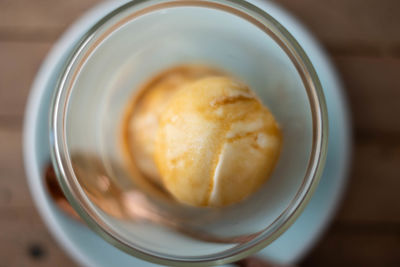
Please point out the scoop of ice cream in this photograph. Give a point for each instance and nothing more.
(216, 143)
(149, 106)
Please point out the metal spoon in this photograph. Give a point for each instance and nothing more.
(142, 213)
(131, 205)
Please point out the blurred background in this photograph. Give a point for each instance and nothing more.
(363, 39)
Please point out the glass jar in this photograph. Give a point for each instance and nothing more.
(123, 50)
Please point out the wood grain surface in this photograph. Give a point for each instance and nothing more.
(363, 39)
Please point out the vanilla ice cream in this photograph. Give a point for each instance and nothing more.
(216, 143)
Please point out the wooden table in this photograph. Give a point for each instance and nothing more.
(363, 39)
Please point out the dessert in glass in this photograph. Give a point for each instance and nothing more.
(188, 132)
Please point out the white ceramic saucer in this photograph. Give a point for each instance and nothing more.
(88, 249)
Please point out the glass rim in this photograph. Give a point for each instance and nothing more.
(259, 18)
